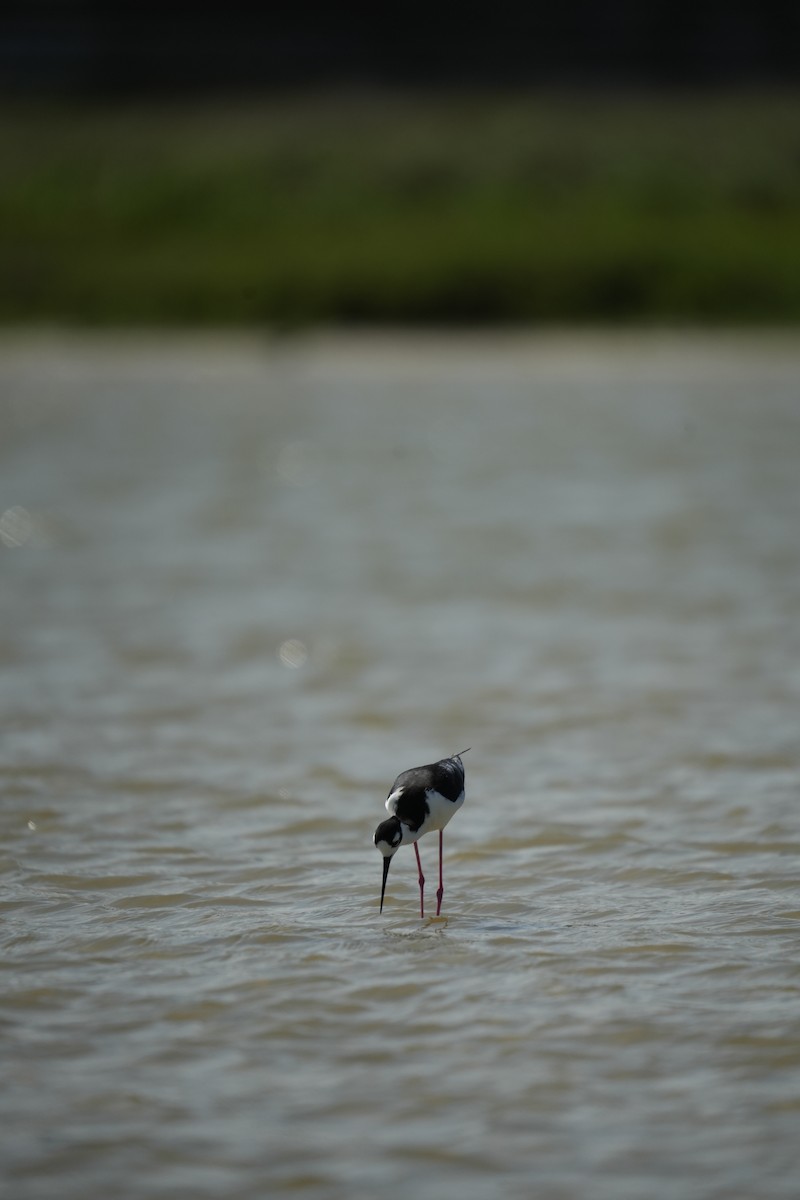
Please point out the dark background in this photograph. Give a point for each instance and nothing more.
(104, 48)
(309, 163)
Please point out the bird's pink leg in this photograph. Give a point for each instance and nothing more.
(421, 883)
(440, 892)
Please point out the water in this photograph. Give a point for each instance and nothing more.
(244, 584)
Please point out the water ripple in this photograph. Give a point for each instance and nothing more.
(269, 591)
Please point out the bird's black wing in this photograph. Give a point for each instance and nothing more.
(448, 777)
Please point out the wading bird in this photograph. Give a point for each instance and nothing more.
(420, 800)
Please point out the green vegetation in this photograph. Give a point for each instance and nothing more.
(399, 209)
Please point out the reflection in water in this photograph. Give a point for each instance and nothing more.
(244, 586)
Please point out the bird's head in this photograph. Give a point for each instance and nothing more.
(388, 839)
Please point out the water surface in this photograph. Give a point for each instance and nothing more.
(244, 585)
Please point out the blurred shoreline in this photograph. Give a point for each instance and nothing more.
(401, 209)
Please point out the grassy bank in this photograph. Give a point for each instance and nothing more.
(395, 209)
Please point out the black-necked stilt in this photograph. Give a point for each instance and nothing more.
(420, 800)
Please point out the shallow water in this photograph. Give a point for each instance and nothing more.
(244, 584)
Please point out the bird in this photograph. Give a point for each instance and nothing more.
(420, 800)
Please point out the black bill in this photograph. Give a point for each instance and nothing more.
(386, 864)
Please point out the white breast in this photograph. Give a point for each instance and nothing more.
(441, 809)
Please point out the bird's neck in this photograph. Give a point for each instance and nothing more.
(407, 835)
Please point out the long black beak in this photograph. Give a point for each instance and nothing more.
(387, 862)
